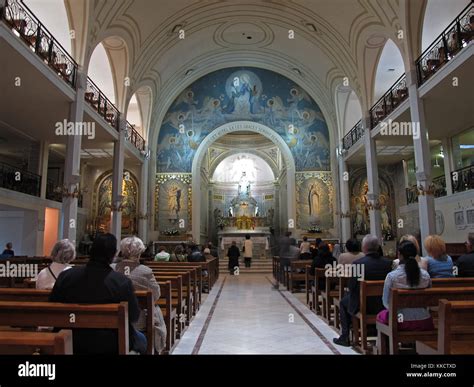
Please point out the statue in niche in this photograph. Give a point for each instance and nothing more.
(313, 201)
(231, 212)
(174, 200)
(244, 184)
(384, 217)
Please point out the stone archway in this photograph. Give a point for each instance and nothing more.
(237, 127)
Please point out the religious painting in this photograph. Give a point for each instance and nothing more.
(459, 218)
(103, 203)
(244, 94)
(314, 201)
(172, 212)
(470, 216)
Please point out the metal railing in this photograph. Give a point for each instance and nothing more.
(55, 192)
(439, 186)
(389, 101)
(134, 137)
(351, 138)
(101, 104)
(21, 20)
(16, 179)
(412, 194)
(447, 45)
(463, 179)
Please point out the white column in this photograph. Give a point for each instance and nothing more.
(143, 202)
(372, 179)
(345, 200)
(448, 164)
(72, 164)
(117, 180)
(422, 159)
(43, 167)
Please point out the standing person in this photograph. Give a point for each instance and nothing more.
(8, 252)
(248, 251)
(63, 252)
(97, 283)
(233, 254)
(142, 278)
(465, 263)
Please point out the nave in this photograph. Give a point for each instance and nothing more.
(246, 315)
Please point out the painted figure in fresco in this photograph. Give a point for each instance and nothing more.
(174, 200)
(240, 96)
(313, 201)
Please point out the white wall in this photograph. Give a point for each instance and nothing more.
(20, 228)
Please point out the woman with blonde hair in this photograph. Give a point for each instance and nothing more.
(62, 254)
(142, 278)
(440, 265)
(422, 263)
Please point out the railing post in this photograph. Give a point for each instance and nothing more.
(458, 34)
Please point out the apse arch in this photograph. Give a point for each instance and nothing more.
(233, 127)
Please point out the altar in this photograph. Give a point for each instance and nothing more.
(259, 237)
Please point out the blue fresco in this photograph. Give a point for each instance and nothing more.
(243, 94)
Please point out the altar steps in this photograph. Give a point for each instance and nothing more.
(260, 266)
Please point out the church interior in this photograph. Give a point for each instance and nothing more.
(300, 172)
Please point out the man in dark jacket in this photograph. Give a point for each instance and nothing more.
(372, 267)
(195, 255)
(97, 283)
(465, 263)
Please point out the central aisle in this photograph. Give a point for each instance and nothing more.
(246, 315)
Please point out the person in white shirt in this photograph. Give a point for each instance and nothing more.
(62, 254)
(248, 247)
(352, 253)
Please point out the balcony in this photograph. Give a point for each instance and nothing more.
(29, 29)
(451, 41)
(351, 138)
(54, 192)
(101, 104)
(134, 137)
(438, 188)
(463, 179)
(18, 180)
(389, 101)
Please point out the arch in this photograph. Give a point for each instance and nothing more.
(108, 67)
(348, 109)
(222, 168)
(236, 127)
(390, 67)
(139, 109)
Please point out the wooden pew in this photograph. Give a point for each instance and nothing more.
(319, 274)
(36, 343)
(177, 299)
(389, 336)
(327, 296)
(58, 315)
(145, 301)
(307, 285)
(455, 330)
(341, 290)
(276, 268)
(169, 314)
(295, 275)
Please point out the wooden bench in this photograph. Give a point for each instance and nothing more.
(169, 314)
(36, 343)
(58, 315)
(177, 299)
(145, 301)
(331, 292)
(297, 273)
(455, 330)
(341, 290)
(307, 285)
(389, 336)
(319, 274)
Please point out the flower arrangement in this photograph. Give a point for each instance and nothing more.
(171, 232)
(315, 230)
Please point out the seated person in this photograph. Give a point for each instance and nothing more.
(407, 275)
(195, 255)
(163, 255)
(143, 279)
(423, 263)
(305, 247)
(465, 263)
(439, 264)
(207, 254)
(178, 254)
(8, 252)
(63, 252)
(97, 283)
(352, 252)
(375, 267)
(323, 258)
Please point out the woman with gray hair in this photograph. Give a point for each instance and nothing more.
(142, 278)
(62, 254)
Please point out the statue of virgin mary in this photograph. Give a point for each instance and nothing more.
(313, 201)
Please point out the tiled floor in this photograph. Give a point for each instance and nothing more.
(246, 315)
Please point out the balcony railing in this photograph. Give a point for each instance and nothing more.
(351, 138)
(21, 20)
(389, 102)
(412, 194)
(451, 41)
(134, 137)
(101, 104)
(55, 192)
(463, 179)
(15, 179)
(438, 187)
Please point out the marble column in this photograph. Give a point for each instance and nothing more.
(422, 152)
(372, 179)
(143, 202)
(345, 206)
(43, 167)
(448, 164)
(117, 181)
(72, 164)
